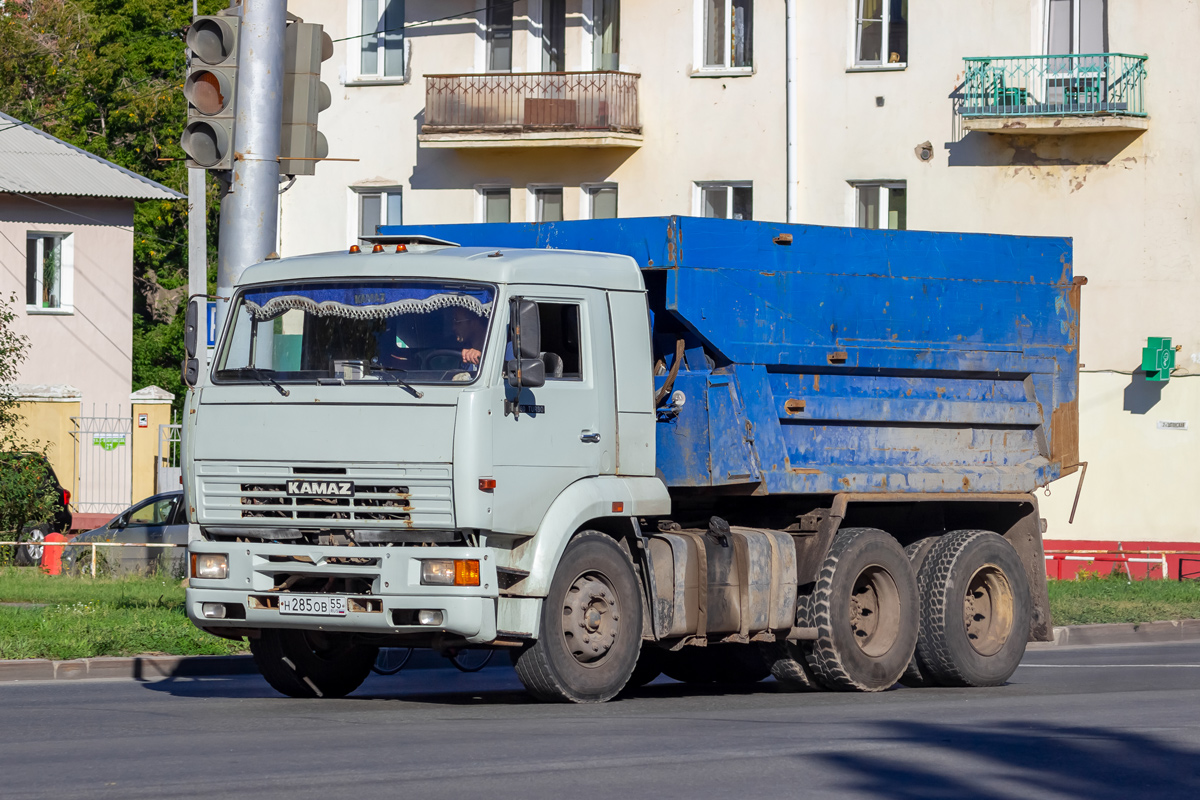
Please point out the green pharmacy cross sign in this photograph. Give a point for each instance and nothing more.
(1158, 358)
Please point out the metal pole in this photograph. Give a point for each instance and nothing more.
(250, 205)
(93, 559)
(792, 124)
(198, 254)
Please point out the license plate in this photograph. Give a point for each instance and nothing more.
(313, 605)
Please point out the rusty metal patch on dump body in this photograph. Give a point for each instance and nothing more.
(1064, 436)
(838, 357)
(794, 406)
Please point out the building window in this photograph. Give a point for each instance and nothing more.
(601, 200)
(554, 35)
(881, 205)
(494, 204)
(606, 43)
(381, 51)
(725, 200)
(728, 34)
(378, 207)
(499, 35)
(49, 266)
(881, 33)
(547, 203)
(1076, 26)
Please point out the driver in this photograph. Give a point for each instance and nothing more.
(469, 331)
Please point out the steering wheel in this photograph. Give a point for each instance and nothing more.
(428, 360)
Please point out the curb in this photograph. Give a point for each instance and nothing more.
(148, 668)
(1178, 630)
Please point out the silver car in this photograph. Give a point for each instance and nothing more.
(157, 520)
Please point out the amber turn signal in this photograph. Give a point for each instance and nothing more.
(487, 484)
(466, 572)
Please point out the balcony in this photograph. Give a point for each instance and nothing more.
(535, 109)
(1059, 94)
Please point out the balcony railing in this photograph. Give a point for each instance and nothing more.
(532, 102)
(1059, 85)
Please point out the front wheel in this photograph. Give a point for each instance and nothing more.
(312, 663)
(591, 631)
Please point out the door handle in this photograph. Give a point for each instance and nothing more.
(588, 436)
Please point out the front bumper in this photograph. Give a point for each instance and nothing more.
(393, 575)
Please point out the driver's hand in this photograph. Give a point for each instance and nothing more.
(471, 355)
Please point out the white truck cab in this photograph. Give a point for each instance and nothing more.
(397, 446)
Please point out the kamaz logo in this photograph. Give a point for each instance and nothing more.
(320, 488)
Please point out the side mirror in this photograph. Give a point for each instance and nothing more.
(191, 324)
(525, 329)
(527, 372)
(118, 524)
(190, 372)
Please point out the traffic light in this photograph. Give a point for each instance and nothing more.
(211, 92)
(306, 45)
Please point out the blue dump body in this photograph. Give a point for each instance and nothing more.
(846, 360)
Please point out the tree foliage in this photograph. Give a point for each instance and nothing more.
(107, 76)
(27, 494)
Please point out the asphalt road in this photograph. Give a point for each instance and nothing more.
(1095, 722)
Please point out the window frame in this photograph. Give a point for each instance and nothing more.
(884, 201)
(383, 190)
(531, 203)
(488, 7)
(481, 193)
(66, 274)
(1076, 30)
(699, 188)
(354, 74)
(700, 68)
(587, 205)
(854, 65)
(174, 501)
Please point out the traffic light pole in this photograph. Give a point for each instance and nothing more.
(250, 205)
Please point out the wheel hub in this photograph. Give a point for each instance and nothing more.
(875, 611)
(988, 610)
(591, 618)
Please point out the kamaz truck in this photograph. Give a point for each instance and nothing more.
(716, 450)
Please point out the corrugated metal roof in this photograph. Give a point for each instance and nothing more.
(34, 162)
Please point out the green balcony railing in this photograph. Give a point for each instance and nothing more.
(1059, 85)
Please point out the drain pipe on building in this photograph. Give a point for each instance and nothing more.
(792, 34)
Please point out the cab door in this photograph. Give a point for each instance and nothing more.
(562, 431)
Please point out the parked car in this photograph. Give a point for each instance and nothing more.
(160, 519)
(30, 554)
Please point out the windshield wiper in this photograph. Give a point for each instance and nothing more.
(400, 381)
(268, 376)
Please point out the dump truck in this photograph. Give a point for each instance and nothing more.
(713, 449)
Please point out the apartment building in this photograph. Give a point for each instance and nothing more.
(492, 110)
(1036, 117)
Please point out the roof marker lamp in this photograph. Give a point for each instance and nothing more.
(210, 566)
(378, 248)
(400, 248)
(355, 248)
(450, 572)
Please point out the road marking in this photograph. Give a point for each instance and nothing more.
(1114, 666)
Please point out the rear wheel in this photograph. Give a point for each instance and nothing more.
(789, 664)
(591, 632)
(917, 675)
(975, 609)
(864, 607)
(30, 553)
(312, 663)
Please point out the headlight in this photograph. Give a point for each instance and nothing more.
(450, 572)
(212, 566)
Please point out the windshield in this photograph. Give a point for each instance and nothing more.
(357, 331)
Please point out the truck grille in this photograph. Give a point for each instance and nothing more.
(413, 497)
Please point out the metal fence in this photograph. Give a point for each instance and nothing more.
(103, 462)
(534, 101)
(1057, 85)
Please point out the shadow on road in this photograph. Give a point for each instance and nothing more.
(1019, 760)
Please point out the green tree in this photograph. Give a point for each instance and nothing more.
(27, 495)
(107, 76)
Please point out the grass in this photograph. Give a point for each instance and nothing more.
(1112, 599)
(86, 617)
